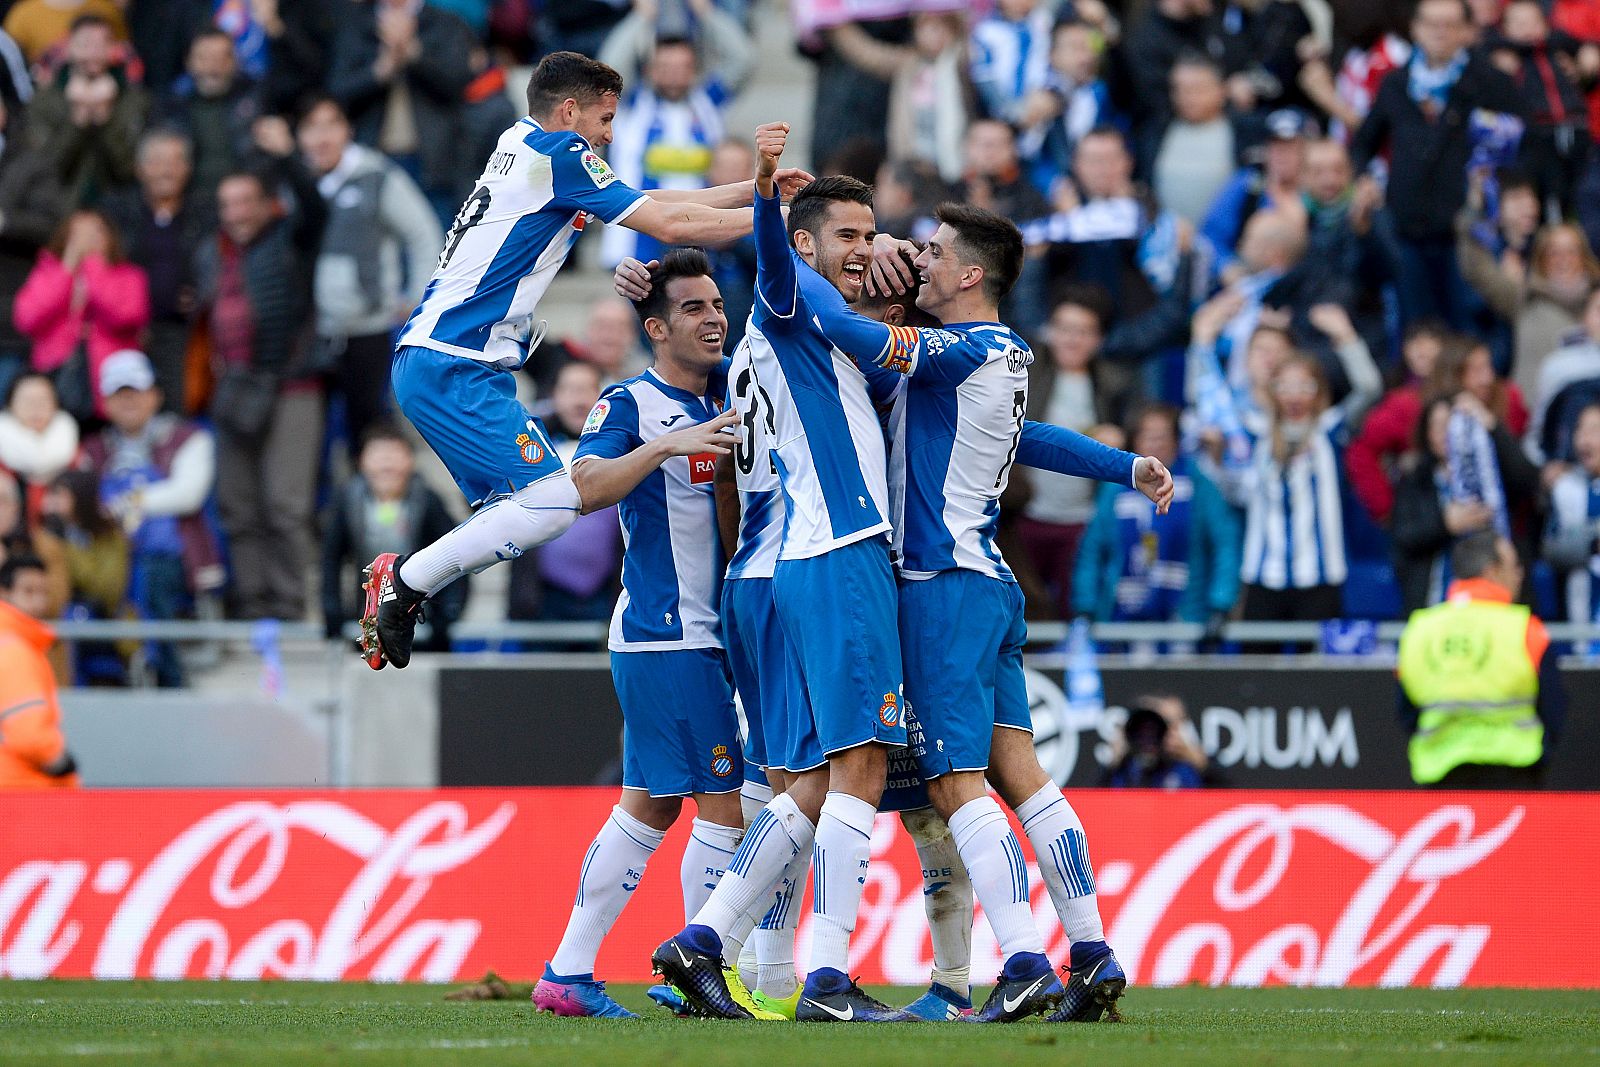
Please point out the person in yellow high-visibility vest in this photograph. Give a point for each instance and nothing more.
(1480, 690)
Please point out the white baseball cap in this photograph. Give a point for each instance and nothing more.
(126, 368)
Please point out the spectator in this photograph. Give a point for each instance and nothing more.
(156, 472)
(1293, 482)
(1011, 57)
(1148, 762)
(1339, 217)
(1555, 145)
(1421, 117)
(1389, 431)
(1543, 300)
(669, 121)
(1466, 366)
(1064, 390)
(162, 224)
(610, 342)
(733, 265)
(382, 505)
(30, 209)
(400, 75)
(1574, 366)
(903, 198)
(39, 25)
(159, 34)
(1272, 185)
(1427, 521)
(298, 33)
(993, 178)
(97, 557)
(486, 113)
(82, 302)
(87, 119)
(215, 106)
(37, 439)
(929, 105)
(33, 751)
(1074, 100)
(377, 253)
(1573, 540)
(1480, 688)
(255, 306)
(573, 578)
(1169, 31)
(1346, 96)
(1134, 564)
(1189, 157)
(1270, 44)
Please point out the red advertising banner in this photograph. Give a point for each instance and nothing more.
(1247, 888)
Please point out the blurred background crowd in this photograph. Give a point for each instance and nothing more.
(1332, 260)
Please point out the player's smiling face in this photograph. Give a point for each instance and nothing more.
(592, 120)
(842, 250)
(942, 272)
(696, 325)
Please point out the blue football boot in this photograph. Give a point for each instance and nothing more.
(939, 1004)
(1096, 984)
(691, 962)
(669, 998)
(1027, 986)
(577, 995)
(830, 996)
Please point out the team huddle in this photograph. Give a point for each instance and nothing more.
(810, 522)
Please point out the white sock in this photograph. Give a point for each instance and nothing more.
(705, 857)
(502, 529)
(773, 940)
(946, 897)
(993, 856)
(1056, 833)
(775, 837)
(753, 796)
(611, 871)
(838, 873)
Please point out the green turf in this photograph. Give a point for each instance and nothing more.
(301, 1023)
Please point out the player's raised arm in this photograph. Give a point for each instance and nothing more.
(1054, 448)
(790, 180)
(776, 290)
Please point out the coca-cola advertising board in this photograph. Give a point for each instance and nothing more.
(1246, 888)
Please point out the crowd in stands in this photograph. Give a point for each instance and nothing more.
(1333, 262)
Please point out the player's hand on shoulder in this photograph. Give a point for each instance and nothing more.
(790, 180)
(1155, 482)
(891, 273)
(631, 280)
(714, 435)
(771, 138)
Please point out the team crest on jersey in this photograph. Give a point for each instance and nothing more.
(597, 417)
(889, 714)
(532, 451)
(597, 170)
(721, 762)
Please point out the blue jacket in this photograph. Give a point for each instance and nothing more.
(1136, 565)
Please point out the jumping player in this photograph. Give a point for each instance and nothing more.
(476, 320)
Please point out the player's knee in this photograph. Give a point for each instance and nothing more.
(658, 813)
(721, 808)
(1014, 768)
(808, 790)
(860, 771)
(949, 792)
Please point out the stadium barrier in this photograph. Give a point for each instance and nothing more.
(1244, 888)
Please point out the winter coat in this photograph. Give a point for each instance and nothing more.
(115, 310)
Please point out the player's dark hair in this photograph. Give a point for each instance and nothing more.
(990, 240)
(1474, 554)
(15, 565)
(562, 76)
(809, 207)
(914, 316)
(678, 263)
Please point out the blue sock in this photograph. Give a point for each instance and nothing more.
(1084, 953)
(702, 939)
(566, 979)
(1026, 965)
(827, 980)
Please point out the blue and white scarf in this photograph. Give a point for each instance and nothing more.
(1426, 83)
(1474, 470)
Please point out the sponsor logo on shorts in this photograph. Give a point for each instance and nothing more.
(597, 417)
(721, 762)
(532, 451)
(889, 714)
(597, 170)
(702, 468)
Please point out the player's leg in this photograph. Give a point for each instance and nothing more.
(947, 901)
(1056, 834)
(496, 452)
(953, 627)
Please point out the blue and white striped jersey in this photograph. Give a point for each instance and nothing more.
(1294, 522)
(537, 191)
(672, 562)
(761, 508)
(827, 443)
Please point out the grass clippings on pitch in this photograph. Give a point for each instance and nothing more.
(178, 1023)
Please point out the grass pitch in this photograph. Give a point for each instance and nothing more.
(176, 1023)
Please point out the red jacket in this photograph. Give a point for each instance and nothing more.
(1390, 431)
(113, 316)
(1581, 19)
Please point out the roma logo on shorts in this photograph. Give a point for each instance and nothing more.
(532, 451)
(721, 762)
(889, 714)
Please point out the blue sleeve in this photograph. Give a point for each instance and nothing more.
(777, 293)
(907, 350)
(582, 179)
(1222, 222)
(612, 428)
(1054, 448)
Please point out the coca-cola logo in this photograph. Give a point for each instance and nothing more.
(167, 919)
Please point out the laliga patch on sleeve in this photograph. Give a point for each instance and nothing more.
(597, 170)
(597, 417)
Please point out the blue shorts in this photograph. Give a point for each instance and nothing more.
(680, 734)
(757, 655)
(469, 414)
(962, 633)
(838, 611)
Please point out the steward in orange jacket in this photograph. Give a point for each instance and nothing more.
(33, 751)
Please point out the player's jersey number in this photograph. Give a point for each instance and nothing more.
(471, 213)
(757, 408)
